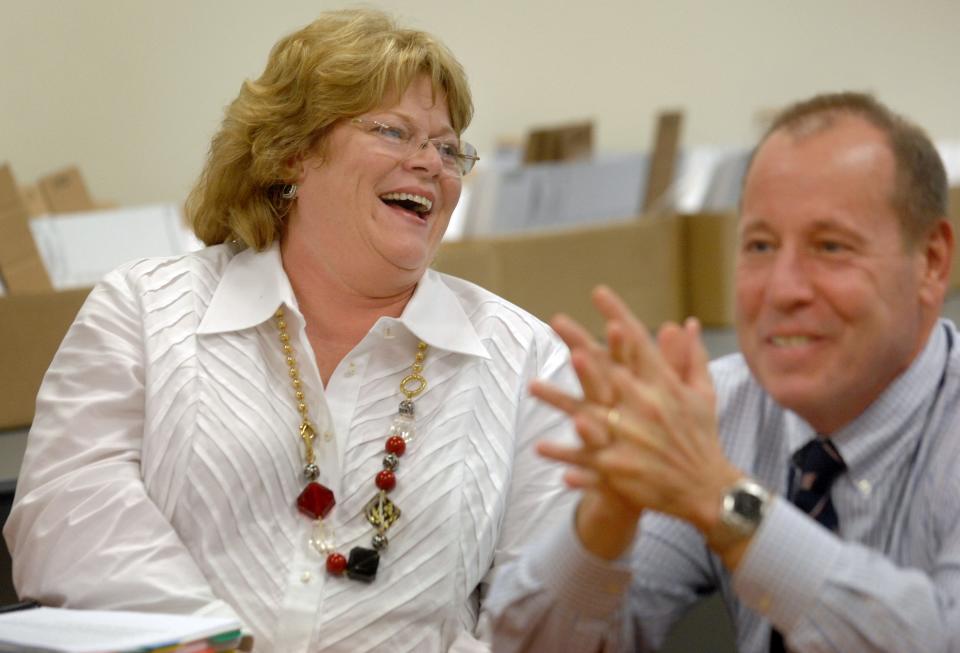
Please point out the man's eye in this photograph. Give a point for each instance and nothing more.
(832, 246)
(757, 246)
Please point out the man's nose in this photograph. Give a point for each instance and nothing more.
(789, 282)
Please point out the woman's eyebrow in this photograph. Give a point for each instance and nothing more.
(410, 123)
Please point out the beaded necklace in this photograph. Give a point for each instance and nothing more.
(316, 500)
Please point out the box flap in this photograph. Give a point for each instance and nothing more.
(20, 263)
(64, 191)
(33, 200)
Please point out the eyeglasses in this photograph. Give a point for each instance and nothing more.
(457, 157)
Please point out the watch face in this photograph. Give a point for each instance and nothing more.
(747, 505)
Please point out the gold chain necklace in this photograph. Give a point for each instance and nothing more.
(316, 500)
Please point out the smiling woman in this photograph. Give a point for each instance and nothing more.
(302, 426)
(397, 201)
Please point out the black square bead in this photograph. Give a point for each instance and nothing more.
(363, 564)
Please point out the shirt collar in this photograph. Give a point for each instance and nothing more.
(436, 316)
(886, 433)
(251, 289)
(254, 284)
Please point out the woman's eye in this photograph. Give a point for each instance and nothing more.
(393, 133)
(448, 150)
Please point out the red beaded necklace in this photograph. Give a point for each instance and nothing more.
(316, 500)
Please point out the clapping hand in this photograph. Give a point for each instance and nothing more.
(647, 423)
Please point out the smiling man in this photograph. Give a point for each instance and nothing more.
(814, 478)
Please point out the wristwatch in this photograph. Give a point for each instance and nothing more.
(744, 504)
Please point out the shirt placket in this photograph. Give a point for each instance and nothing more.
(332, 412)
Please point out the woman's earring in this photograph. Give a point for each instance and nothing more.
(288, 191)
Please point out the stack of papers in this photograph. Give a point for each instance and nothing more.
(59, 630)
(79, 248)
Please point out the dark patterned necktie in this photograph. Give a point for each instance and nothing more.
(815, 466)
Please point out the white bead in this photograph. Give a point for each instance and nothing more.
(403, 426)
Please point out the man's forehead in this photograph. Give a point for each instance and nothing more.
(846, 145)
(831, 132)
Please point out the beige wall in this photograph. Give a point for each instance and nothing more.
(132, 90)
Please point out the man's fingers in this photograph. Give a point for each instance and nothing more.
(582, 479)
(698, 374)
(590, 360)
(675, 348)
(619, 461)
(611, 306)
(593, 426)
(573, 333)
(580, 457)
(622, 349)
(552, 395)
(593, 371)
(634, 346)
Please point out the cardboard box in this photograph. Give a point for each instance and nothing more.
(64, 191)
(78, 248)
(710, 252)
(666, 139)
(559, 143)
(20, 264)
(31, 328)
(33, 200)
(953, 212)
(549, 273)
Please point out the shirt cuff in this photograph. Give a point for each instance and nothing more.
(590, 585)
(783, 571)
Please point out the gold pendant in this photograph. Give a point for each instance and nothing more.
(381, 512)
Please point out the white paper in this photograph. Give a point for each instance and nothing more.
(78, 249)
(517, 198)
(950, 153)
(94, 631)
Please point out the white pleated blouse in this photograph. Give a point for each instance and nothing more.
(164, 463)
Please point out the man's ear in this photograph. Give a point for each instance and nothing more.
(936, 252)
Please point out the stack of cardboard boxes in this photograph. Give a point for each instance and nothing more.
(665, 267)
(33, 318)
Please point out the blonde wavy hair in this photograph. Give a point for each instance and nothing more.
(341, 65)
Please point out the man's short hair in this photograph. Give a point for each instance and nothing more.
(919, 195)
